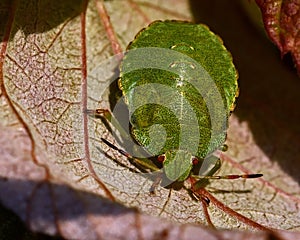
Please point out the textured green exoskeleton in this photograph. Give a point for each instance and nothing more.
(180, 86)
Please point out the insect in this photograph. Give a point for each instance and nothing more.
(180, 86)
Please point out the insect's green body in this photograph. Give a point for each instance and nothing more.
(177, 109)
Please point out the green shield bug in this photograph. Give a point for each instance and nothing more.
(180, 86)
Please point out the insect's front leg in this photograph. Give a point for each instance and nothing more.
(203, 180)
(155, 184)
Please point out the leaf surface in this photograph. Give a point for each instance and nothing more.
(282, 23)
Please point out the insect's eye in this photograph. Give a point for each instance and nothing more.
(195, 160)
(161, 158)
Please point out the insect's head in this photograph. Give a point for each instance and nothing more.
(177, 164)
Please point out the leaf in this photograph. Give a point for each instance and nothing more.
(263, 108)
(281, 20)
(53, 175)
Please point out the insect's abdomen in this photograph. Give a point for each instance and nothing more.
(170, 95)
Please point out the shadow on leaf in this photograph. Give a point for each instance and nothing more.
(44, 205)
(38, 16)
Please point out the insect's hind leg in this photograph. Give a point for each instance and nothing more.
(108, 117)
(100, 113)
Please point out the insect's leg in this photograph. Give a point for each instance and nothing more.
(109, 117)
(197, 197)
(144, 163)
(204, 181)
(205, 203)
(155, 184)
(100, 113)
(139, 163)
